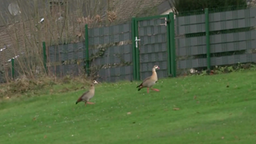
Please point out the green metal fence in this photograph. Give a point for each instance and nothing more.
(113, 53)
(129, 51)
(215, 38)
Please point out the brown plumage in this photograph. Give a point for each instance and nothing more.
(88, 94)
(150, 81)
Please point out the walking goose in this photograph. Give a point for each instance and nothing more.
(150, 81)
(88, 94)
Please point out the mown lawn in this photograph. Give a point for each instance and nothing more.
(188, 110)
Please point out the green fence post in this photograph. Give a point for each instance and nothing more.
(137, 48)
(169, 46)
(172, 43)
(207, 33)
(45, 57)
(134, 50)
(87, 50)
(12, 68)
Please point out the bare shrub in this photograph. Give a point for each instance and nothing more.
(51, 21)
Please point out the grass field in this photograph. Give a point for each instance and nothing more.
(188, 110)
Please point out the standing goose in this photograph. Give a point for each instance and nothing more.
(150, 81)
(88, 95)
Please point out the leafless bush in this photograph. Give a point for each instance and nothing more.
(51, 21)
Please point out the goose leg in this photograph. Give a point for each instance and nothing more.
(155, 89)
(90, 103)
(148, 90)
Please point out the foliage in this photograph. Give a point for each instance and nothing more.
(228, 69)
(192, 5)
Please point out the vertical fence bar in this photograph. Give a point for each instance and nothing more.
(87, 50)
(172, 43)
(13, 72)
(134, 50)
(207, 33)
(137, 50)
(169, 46)
(45, 57)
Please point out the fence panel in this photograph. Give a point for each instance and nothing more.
(110, 34)
(190, 24)
(232, 19)
(233, 41)
(66, 59)
(110, 50)
(191, 46)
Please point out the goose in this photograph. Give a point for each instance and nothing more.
(88, 94)
(150, 81)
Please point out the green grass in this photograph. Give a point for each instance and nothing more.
(209, 112)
